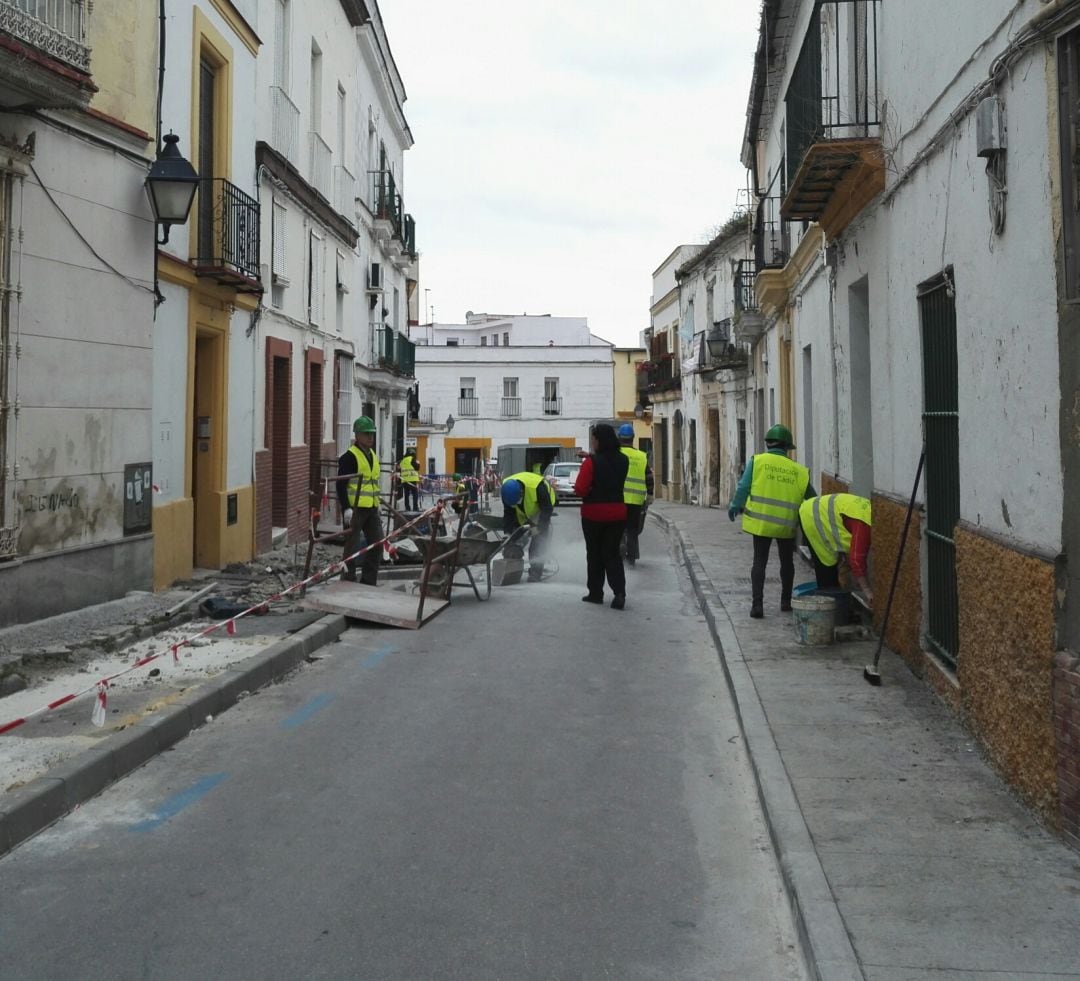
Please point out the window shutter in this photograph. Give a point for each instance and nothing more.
(340, 271)
(317, 266)
(277, 236)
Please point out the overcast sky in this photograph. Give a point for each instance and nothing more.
(563, 149)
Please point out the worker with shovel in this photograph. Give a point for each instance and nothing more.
(768, 496)
(359, 500)
(527, 500)
(836, 527)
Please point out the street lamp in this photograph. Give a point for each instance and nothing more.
(171, 186)
(718, 341)
(639, 410)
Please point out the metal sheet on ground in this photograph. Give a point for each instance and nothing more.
(374, 604)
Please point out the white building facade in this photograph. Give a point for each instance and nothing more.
(495, 381)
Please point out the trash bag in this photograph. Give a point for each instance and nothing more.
(218, 608)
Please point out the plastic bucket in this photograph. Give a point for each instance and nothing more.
(815, 619)
(840, 597)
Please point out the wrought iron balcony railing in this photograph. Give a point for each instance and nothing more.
(409, 234)
(745, 292)
(511, 407)
(285, 125)
(56, 27)
(228, 230)
(833, 92)
(426, 415)
(772, 234)
(552, 407)
(319, 172)
(387, 205)
(393, 351)
(468, 406)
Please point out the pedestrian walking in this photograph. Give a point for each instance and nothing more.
(410, 480)
(768, 497)
(527, 500)
(837, 529)
(359, 500)
(601, 486)
(637, 491)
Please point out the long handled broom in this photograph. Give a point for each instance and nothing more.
(870, 672)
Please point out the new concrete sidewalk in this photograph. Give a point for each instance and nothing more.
(904, 854)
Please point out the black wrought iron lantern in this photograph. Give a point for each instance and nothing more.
(171, 186)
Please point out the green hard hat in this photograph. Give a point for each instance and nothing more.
(457, 476)
(363, 425)
(781, 435)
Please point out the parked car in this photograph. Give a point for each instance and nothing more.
(561, 477)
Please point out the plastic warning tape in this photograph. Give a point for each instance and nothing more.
(101, 685)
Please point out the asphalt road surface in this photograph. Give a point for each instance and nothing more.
(533, 787)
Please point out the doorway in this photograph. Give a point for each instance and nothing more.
(715, 455)
(807, 439)
(468, 460)
(207, 450)
(315, 427)
(280, 418)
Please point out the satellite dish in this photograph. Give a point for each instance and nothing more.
(469, 314)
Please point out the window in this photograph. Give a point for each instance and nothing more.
(279, 278)
(316, 277)
(510, 388)
(494, 340)
(483, 342)
(281, 44)
(1069, 115)
(343, 382)
(552, 404)
(506, 339)
(316, 88)
(451, 342)
(468, 388)
(341, 267)
(207, 124)
(341, 123)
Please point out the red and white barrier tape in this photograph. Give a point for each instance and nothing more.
(102, 685)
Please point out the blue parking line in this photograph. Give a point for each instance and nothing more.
(300, 716)
(378, 655)
(178, 802)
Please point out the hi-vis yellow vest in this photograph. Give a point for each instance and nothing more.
(776, 491)
(363, 489)
(529, 507)
(823, 524)
(635, 490)
(408, 471)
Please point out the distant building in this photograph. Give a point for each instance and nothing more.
(494, 381)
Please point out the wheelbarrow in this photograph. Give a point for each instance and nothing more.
(474, 548)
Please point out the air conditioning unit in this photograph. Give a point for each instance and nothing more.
(375, 279)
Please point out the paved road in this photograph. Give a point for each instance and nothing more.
(532, 788)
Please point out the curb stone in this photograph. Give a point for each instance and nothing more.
(826, 945)
(30, 809)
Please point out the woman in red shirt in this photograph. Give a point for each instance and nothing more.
(599, 484)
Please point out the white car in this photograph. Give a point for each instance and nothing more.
(561, 477)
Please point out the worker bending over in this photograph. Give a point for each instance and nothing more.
(837, 526)
(637, 490)
(769, 495)
(359, 500)
(527, 500)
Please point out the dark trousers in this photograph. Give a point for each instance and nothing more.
(828, 576)
(633, 528)
(365, 524)
(602, 557)
(786, 548)
(412, 496)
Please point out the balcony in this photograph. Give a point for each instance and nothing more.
(511, 408)
(425, 416)
(345, 193)
(55, 29)
(285, 125)
(552, 407)
(386, 206)
(468, 406)
(319, 170)
(833, 121)
(772, 233)
(227, 235)
(393, 351)
(745, 295)
(409, 235)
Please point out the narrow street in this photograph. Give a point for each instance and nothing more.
(530, 788)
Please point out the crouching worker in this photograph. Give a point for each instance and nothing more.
(837, 527)
(527, 500)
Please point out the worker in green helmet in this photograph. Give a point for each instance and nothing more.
(768, 497)
(359, 499)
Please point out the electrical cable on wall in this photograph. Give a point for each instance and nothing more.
(996, 168)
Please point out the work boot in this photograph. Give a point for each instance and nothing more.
(592, 598)
(756, 610)
(348, 576)
(619, 602)
(785, 605)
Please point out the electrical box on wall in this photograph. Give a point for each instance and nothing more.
(990, 137)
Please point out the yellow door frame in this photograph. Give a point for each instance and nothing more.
(450, 446)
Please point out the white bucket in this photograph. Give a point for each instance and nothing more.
(815, 619)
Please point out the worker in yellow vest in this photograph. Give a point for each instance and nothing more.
(768, 497)
(410, 480)
(359, 500)
(837, 527)
(637, 490)
(527, 500)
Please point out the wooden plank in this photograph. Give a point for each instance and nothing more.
(375, 604)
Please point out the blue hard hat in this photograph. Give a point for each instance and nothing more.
(626, 431)
(512, 493)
